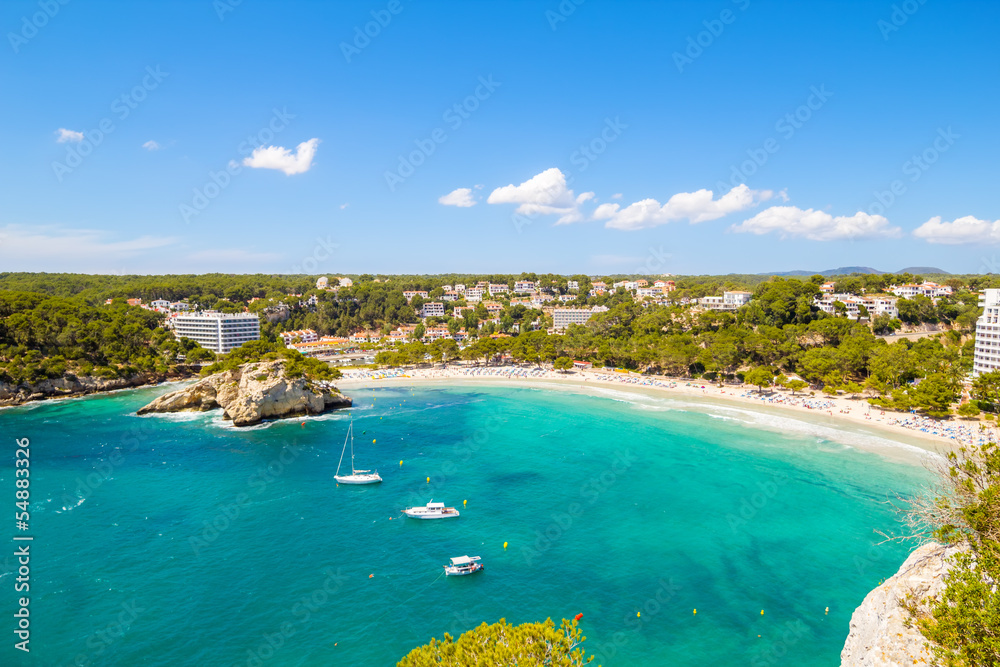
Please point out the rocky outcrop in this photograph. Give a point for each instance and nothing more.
(73, 385)
(251, 393)
(879, 636)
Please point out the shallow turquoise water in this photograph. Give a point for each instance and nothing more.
(170, 540)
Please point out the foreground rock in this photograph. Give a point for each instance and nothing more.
(251, 393)
(73, 385)
(879, 636)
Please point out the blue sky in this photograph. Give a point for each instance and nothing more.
(671, 137)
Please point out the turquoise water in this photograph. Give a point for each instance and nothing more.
(177, 540)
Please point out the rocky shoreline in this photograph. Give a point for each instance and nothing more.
(71, 385)
(881, 634)
(251, 393)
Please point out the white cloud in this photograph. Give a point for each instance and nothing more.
(278, 157)
(793, 222)
(616, 195)
(461, 197)
(151, 145)
(343, 206)
(54, 248)
(962, 230)
(543, 194)
(68, 135)
(696, 206)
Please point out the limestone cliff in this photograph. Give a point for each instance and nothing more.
(73, 385)
(879, 636)
(253, 392)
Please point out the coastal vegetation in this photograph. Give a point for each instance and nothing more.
(963, 621)
(525, 645)
(44, 336)
(59, 323)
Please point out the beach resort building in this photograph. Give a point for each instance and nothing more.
(410, 294)
(474, 294)
(572, 285)
(304, 336)
(928, 289)
(432, 309)
(497, 289)
(219, 332)
(728, 301)
(987, 352)
(524, 286)
(563, 317)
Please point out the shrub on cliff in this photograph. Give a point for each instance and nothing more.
(964, 623)
(526, 645)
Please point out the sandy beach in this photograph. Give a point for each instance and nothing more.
(915, 435)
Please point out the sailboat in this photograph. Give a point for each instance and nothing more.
(356, 476)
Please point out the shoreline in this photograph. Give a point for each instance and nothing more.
(913, 436)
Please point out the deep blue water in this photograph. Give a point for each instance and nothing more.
(177, 540)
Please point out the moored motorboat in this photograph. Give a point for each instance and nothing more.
(461, 565)
(432, 510)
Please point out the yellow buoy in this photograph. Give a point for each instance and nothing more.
(373, 441)
(401, 462)
(428, 480)
(638, 614)
(465, 502)
(695, 611)
(827, 610)
(504, 545)
(761, 612)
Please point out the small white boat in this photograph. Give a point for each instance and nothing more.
(462, 565)
(432, 510)
(356, 476)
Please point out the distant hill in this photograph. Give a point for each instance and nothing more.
(847, 270)
(923, 269)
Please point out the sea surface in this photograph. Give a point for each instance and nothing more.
(179, 540)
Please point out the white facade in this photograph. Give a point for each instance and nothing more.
(304, 336)
(497, 289)
(728, 301)
(218, 332)
(928, 289)
(474, 294)
(322, 282)
(563, 317)
(572, 285)
(987, 354)
(432, 309)
(524, 286)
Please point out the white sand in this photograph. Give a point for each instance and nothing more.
(914, 435)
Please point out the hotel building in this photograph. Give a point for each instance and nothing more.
(218, 332)
(987, 354)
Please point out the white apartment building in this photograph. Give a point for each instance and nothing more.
(474, 294)
(572, 285)
(498, 289)
(563, 317)
(410, 294)
(728, 301)
(159, 303)
(524, 286)
(987, 354)
(218, 332)
(451, 295)
(322, 282)
(432, 309)
(928, 289)
(460, 288)
(304, 336)
(874, 304)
